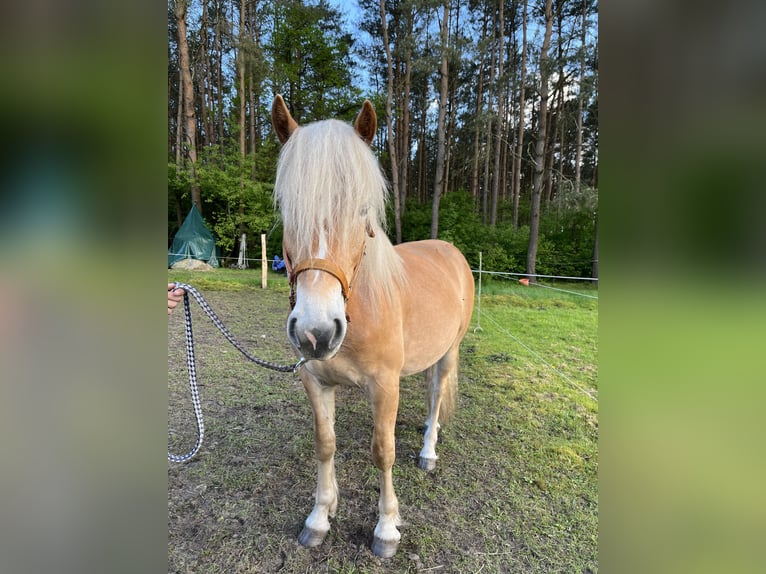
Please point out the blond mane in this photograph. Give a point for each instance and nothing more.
(329, 187)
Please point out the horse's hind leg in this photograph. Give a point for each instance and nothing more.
(322, 399)
(442, 391)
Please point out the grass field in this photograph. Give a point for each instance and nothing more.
(515, 488)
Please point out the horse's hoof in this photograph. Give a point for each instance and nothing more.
(384, 548)
(311, 538)
(427, 464)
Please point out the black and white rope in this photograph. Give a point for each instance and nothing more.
(191, 362)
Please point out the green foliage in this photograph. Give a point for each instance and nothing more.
(179, 186)
(565, 245)
(459, 219)
(178, 180)
(569, 225)
(312, 61)
(234, 202)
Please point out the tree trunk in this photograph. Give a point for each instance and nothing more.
(190, 121)
(508, 134)
(242, 95)
(219, 80)
(254, 91)
(516, 186)
(562, 145)
(389, 125)
(485, 190)
(550, 148)
(253, 115)
(179, 124)
(504, 169)
(451, 116)
(500, 93)
(578, 145)
(241, 69)
(440, 127)
(405, 131)
(557, 113)
(477, 127)
(202, 75)
(178, 142)
(423, 154)
(171, 131)
(534, 225)
(449, 130)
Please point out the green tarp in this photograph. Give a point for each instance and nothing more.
(193, 241)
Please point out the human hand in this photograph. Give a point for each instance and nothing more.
(175, 296)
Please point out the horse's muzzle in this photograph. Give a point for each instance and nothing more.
(319, 340)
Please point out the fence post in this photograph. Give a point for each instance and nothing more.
(478, 314)
(264, 273)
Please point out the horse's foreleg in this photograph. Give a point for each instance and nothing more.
(385, 402)
(441, 398)
(322, 399)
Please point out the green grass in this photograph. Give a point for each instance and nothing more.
(228, 279)
(515, 489)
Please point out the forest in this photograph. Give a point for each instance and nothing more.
(487, 113)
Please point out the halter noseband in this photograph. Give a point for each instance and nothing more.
(325, 265)
(322, 265)
(318, 264)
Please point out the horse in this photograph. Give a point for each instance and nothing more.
(363, 311)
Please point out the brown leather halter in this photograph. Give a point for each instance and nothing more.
(322, 265)
(325, 265)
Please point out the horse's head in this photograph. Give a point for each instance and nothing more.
(325, 224)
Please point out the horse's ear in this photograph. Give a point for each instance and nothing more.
(283, 123)
(366, 122)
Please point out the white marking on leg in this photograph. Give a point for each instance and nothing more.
(387, 535)
(432, 421)
(429, 441)
(326, 504)
(326, 499)
(385, 406)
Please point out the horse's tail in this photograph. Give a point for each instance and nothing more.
(449, 396)
(448, 391)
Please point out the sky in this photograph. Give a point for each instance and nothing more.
(352, 14)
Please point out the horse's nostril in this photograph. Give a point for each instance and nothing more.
(291, 329)
(337, 337)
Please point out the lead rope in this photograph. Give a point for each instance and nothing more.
(191, 363)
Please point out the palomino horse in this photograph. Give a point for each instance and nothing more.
(364, 312)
